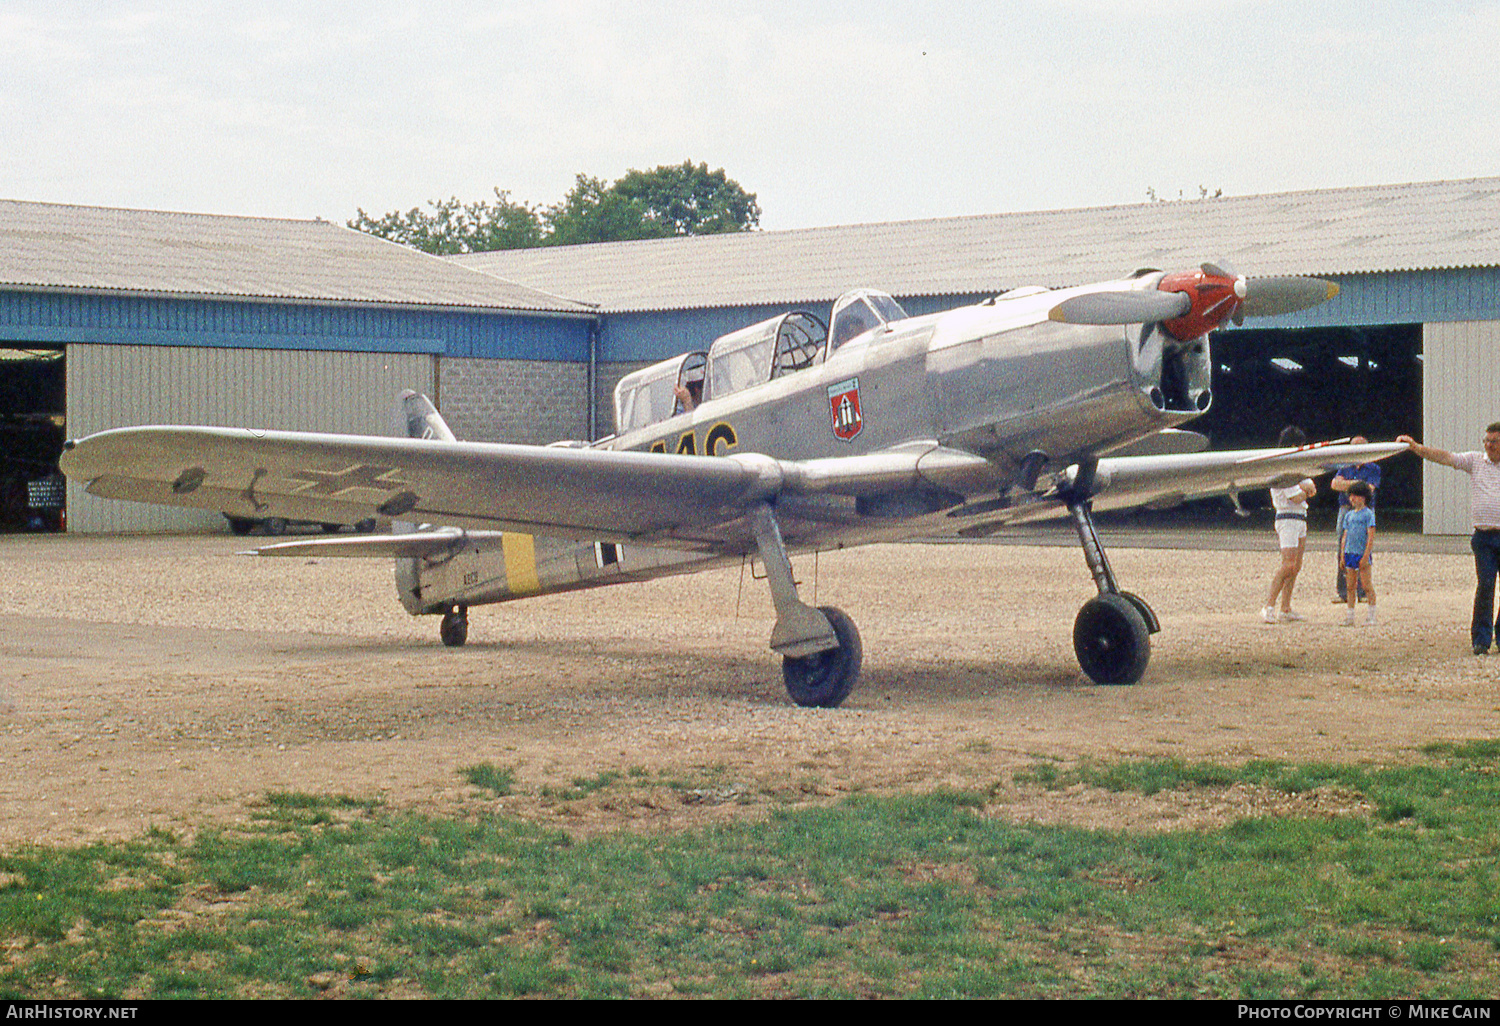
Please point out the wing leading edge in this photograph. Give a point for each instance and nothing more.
(649, 498)
(645, 498)
(1165, 480)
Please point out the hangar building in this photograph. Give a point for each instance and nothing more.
(117, 317)
(114, 317)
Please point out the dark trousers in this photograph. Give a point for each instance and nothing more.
(1485, 625)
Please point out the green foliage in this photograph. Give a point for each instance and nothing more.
(688, 199)
(674, 199)
(451, 226)
(595, 212)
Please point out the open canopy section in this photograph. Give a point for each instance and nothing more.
(651, 394)
(762, 352)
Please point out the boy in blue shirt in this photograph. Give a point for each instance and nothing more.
(1359, 543)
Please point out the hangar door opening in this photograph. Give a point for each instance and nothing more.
(33, 402)
(1330, 382)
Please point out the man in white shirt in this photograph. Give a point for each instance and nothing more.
(1484, 513)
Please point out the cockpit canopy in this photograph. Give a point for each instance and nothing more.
(859, 310)
(743, 359)
(649, 395)
(763, 352)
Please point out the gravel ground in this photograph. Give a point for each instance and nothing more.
(168, 681)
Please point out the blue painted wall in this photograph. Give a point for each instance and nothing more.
(1468, 294)
(647, 337)
(1408, 297)
(1465, 294)
(135, 320)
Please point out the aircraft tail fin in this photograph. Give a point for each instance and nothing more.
(416, 417)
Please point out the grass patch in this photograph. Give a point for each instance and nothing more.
(914, 895)
(582, 787)
(487, 776)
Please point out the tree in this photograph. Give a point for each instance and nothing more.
(595, 212)
(691, 200)
(455, 227)
(681, 199)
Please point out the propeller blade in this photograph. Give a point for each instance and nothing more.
(1126, 307)
(1271, 297)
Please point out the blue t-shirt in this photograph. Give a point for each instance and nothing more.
(1368, 472)
(1357, 524)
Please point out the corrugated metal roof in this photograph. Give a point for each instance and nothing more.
(46, 246)
(1422, 226)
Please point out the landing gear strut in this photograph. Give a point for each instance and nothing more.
(820, 648)
(1112, 634)
(454, 630)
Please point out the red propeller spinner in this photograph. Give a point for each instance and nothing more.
(1192, 303)
(1215, 296)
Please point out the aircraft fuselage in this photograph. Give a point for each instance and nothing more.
(999, 380)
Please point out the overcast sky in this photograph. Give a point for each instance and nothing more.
(833, 113)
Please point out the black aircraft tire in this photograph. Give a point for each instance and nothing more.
(825, 679)
(454, 630)
(1111, 640)
(275, 525)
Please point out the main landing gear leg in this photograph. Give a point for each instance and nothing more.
(454, 630)
(820, 648)
(1112, 635)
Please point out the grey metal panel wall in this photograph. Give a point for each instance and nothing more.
(118, 386)
(1460, 396)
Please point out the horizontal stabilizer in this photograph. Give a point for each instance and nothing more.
(413, 545)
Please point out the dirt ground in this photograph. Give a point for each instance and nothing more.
(167, 681)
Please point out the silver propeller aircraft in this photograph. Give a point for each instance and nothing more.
(786, 436)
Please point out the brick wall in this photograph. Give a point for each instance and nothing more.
(532, 401)
(610, 375)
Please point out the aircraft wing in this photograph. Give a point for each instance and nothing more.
(1169, 479)
(646, 498)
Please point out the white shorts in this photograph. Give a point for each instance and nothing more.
(1291, 532)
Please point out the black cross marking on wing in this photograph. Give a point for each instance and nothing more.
(336, 482)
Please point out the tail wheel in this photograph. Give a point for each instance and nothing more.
(1112, 640)
(825, 679)
(454, 630)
